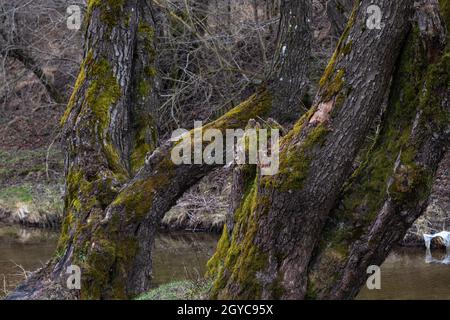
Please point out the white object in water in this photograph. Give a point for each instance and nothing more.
(429, 258)
(445, 235)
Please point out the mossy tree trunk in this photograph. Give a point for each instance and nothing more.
(278, 224)
(338, 12)
(107, 125)
(312, 231)
(391, 188)
(117, 190)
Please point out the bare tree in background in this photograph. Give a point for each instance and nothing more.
(208, 64)
(35, 34)
(40, 57)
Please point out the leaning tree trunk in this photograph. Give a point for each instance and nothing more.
(116, 194)
(277, 225)
(391, 189)
(298, 235)
(338, 12)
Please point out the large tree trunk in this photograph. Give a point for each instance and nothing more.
(278, 246)
(391, 189)
(276, 227)
(132, 219)
(111, 213)
(436, 217)
(299, 234)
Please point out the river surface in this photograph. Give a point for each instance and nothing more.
(178, 256)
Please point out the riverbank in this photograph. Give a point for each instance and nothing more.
(31, 187)
(32, 190)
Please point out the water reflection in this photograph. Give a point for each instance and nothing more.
(407, 273)
(22, 249)
(413, 273)
(180, 256)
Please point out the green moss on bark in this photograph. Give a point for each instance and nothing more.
(216, 263)
(73, 98)
(445, 11)
(111, 11)
(296, 157)
(391, 170)
(238, 261)
(258, 105)
(102, 94)
(144, 142)
(137, 198)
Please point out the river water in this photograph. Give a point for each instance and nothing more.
(404, 275)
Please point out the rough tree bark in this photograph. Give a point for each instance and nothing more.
(142, 203)
(436, 217)
(111, 213)
(440, 197)
(276, 227)
(288, 230)
(278, 247)
(390, 190)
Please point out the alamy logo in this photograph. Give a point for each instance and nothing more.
(249, 146)
(74, 18)
(74, 280)
(375, 17)
(374, 280)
